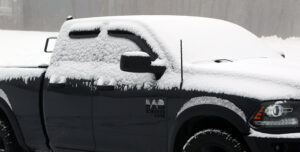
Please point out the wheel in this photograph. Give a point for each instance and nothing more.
(213, 140)
(7, 139)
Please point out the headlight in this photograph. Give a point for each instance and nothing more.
(278, 114)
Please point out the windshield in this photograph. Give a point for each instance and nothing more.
(207, 39)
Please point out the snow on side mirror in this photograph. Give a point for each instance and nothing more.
(135, 62)
(50, 43)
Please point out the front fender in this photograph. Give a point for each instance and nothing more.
(207, 110)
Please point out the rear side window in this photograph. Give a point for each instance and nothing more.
(78, 34)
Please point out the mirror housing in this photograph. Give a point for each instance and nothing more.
(140, 62)
(50, 43)
(135, 62)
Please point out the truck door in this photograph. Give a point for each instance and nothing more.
(129, 120)
(128, 113)
(68, 114)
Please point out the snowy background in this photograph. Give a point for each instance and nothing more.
(25, 48)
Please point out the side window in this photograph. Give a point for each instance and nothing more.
(95, 54)
(140, 42)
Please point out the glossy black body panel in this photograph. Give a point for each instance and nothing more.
(122, 122)
(24, 97)
(68, 115)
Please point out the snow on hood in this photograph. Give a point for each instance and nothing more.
(264, 79)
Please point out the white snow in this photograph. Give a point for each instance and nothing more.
(212, 101)
(101, 49)
(23, 48)
(263, 79)
(203, 39)
(102, 73)
(209, 131)
(254, 133)
(142, 54)
(5, 98)
(57, 80)
(255, 66)
(290, 47)
(25, 74)
(98, 58)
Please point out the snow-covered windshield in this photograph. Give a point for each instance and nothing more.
(207, 39)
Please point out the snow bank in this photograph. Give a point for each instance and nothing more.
(23, 48)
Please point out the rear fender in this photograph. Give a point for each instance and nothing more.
(6, 109)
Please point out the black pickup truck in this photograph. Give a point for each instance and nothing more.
(152, 84)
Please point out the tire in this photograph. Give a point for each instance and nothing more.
(213, 140)
(7, 139)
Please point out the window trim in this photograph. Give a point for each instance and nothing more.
(139, 41)
(78, 34)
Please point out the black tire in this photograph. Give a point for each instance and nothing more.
(7, 139)
(213, 140)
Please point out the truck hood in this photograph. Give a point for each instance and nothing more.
(263, 79)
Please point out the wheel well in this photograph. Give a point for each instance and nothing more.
(4, 117)
(193, 125)
(9, 118)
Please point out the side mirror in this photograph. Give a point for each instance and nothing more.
(50, 43)
(135, 62)
(140, 62)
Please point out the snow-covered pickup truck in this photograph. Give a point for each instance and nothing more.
(153, 84)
